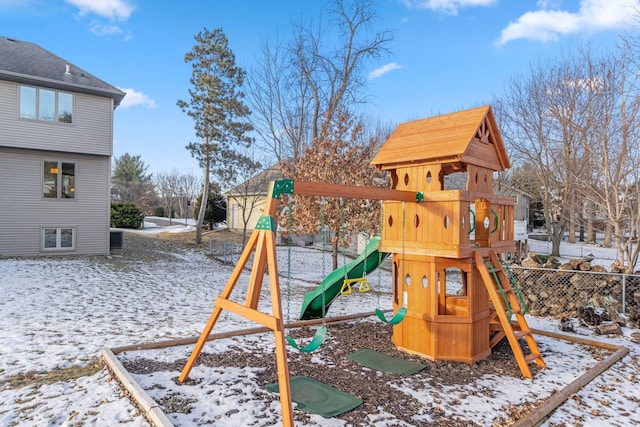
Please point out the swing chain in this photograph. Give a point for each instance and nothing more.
(289, 228)
(380, 255)
(322, 230)
(404, 228)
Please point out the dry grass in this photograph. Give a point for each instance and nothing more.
(33, 378)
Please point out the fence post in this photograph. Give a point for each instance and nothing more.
(624, 293)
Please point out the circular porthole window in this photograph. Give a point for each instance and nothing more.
(425, 282)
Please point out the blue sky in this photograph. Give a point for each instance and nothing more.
(447, 55)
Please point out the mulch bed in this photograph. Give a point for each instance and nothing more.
(369, 385)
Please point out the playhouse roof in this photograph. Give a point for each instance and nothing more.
(469, 137)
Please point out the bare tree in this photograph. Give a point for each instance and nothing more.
(542, 117)
(189, 186)
(613, 145)
(339, 156)
(301, 84)
(167, 186)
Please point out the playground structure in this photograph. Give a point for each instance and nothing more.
(428, 232)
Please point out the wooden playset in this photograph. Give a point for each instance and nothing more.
(430, 232)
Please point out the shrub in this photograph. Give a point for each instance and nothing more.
(159, 211)
(216, 209)
(126, 215)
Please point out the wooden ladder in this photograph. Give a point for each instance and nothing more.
(507, 306)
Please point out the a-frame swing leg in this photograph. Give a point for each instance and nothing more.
(231, 283)
(263, 241)
(281, 345)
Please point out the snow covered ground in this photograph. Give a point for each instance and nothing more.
(57, 314)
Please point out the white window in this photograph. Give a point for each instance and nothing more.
(46, 105)
(58, 238)
(58, 180)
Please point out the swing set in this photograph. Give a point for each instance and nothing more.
(262, 245)
(434, 227)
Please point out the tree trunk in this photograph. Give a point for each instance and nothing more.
(572, 226)
(556, 234)
(581, 217)
(607, 236)
(205, 199)
(555, 244)
(591, 232)
(334, 253)
(244, 234)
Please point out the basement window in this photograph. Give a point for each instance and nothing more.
(58, 238)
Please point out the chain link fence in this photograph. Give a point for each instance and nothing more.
(547, 292)
(551, 292)
(224, 251)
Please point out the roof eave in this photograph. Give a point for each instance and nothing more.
(115, 94)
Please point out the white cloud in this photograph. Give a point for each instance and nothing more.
(446, 6)
(113, 9)
(384, 70)
(549, 24)
(134, 98)
(109, 30)
(105, 30)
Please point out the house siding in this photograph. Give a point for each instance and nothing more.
(234, 213)
(91, 131)
(24, 211)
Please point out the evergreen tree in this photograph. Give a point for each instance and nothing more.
(130, 181)
(216, 106)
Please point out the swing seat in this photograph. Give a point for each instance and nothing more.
(316, 341)
(397, 318)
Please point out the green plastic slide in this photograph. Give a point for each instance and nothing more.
(367, 262)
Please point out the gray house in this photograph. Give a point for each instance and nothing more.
(56, 141)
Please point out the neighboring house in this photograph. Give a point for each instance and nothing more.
(246, 201)
(523, 200)
(56, 140)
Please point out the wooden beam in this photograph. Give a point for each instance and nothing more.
(248, 313)
(543, 411)
(351, 191)
(240, 332)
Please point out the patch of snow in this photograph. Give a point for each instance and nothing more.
(57, 313)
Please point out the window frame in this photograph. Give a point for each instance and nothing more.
(59, 239)
(37, 114)
(60, 179)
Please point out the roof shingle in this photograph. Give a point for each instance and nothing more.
(28, 63)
